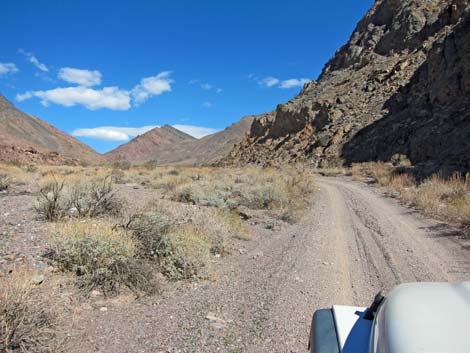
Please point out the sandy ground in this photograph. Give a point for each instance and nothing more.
(352, 243)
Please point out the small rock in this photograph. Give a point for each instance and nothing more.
(38, 279)
(95, 293)
(216, 322)
(103, 308)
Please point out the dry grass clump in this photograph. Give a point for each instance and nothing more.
(255, 188)
(378, 172)
(16, 174)
(76, 198)
(444, 198)
(234, 224)
(447, 199)
(100, 256)
(26, 324)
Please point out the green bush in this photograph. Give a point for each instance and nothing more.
(266, 197)
(183, 254)
(100, 256)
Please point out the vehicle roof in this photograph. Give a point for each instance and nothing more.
(424, 317)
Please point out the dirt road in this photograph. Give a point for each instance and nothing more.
(352, 243)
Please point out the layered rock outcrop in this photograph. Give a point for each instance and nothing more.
(400, 85)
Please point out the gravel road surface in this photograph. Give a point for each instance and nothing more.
(352, 243)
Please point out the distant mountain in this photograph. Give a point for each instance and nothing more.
(168, 145)
(144, 147)
(26, 138)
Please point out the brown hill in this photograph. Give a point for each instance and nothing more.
(155, 145)
(401, 85)
(26, 138)
(145, 146)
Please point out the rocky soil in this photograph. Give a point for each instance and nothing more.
(399, 86)
(351, 243)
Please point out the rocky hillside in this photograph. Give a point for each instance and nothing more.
(146, 146)
(399, 86)
(184, 150)
(28, 139)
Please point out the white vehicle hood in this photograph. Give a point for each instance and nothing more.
(424, 318)
(351, 329)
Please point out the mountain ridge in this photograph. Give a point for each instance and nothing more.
(190, 151)
(27, 138)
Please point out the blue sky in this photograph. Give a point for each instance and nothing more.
(107, 70)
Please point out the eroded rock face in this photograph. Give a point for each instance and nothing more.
(428, 119)
(401, 80)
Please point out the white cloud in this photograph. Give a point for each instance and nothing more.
(38, 64)
(196, 131)
(21, 97)
(81, 77)
(7, 68)
(101, 133)
(112, 98)
(294, 82)
(208, 104)
(269, 81)
(33, 60)
(115, 133)
(112, 133)
(109, 97)
(152, 86)
(206, 86)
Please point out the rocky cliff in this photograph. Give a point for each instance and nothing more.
(399, 86)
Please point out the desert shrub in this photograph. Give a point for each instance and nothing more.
(101, 257)
(183, 254)
(4, 182)
(89, 198)
(151, 165)
(236, 227)
(94, 198)
(266, 197)
(173, 172)
(187, 195)
(401, 181)
(123, 165)
(49, 203)
(26, 324)
(118, 176)
(147, 228)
